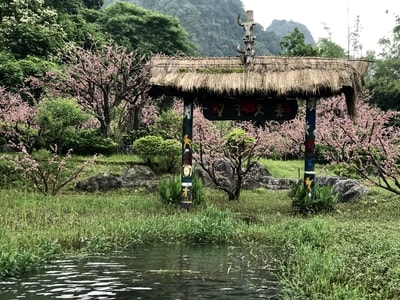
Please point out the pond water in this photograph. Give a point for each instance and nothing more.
(152, 272)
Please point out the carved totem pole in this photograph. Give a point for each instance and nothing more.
(248, 38)
(187, 163)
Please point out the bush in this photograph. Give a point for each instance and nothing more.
(89, 142)
(345, 170)
(323, 199)
(168, 125)
(8, 173)
(147, 148)
(59, 119)
(162, 156)
(170, 190)
(170, 157)
(126, 140)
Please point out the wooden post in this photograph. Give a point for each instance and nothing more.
(309, 159)
(187, 166)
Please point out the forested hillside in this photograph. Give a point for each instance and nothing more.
(283, 27)
(211, 25)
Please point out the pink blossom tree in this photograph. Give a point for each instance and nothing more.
(341, 135)
(290, 137)
(369, 143)
(236, 144)
(104, 82)
(49, 177)
(378, 158)
(17, 120)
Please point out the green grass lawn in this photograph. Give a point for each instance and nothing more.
(291, 168)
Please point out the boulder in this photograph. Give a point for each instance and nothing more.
(101, 182)
(258, 177)
(349, 190)
(136, 176)
(143, 177)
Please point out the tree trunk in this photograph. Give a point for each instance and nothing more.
(105, 129)
(131, 120)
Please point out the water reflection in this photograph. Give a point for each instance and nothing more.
(151, 272)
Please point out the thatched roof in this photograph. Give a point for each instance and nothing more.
(266, 76)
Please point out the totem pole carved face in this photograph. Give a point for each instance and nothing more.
(248, 38)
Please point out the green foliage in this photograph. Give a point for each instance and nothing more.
(58, 119)
(238, 141)
(65, 7)
(385, 83)
(10, 71)
(147, 148)
(169, 156)
(136, 28)
(168, 125)
(89, 142)
(345, 170)
(294, 45)
(93, 4)
(38, 26)
(9, 176)
(16, 262)
(159, 154)
(170, 190)
(58, 113)
(384, 79)
(322, 199)
(327, 48)
(13, 71)
(82, 30)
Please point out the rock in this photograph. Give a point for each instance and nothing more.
(224, 170)
(138, 172)
(134, 177)
(101, 182)
(348, 189)
(142, 176)
(259, 177)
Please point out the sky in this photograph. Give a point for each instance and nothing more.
(377, 18)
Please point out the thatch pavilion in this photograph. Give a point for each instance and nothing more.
(266, 77)
(267, 80)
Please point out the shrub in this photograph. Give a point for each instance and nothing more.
(170, 190)
(147, 148)
(323, 199)
(58, 119)
(8, 173)
(162, 156)
(168, 125)
(169, 156)
(345, 170)
(89, 142)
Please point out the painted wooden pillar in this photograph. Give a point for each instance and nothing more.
(187, 165)
(309, 163)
